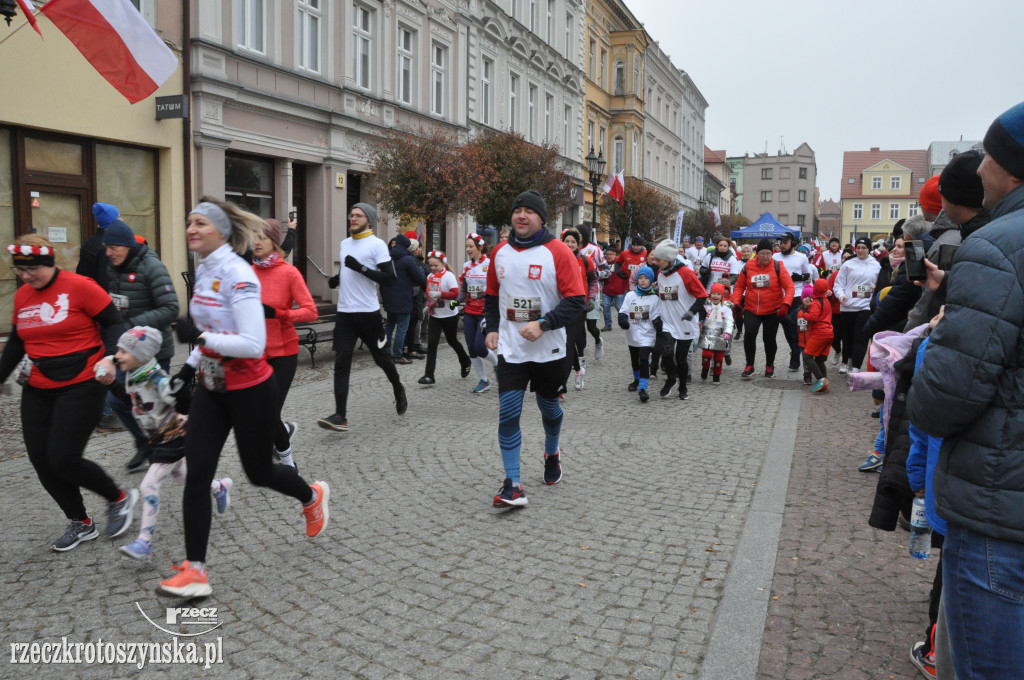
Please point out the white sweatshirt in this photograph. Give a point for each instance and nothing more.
(856, 283)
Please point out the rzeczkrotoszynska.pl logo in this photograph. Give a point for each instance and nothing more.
(203, 618)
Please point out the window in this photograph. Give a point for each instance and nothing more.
(590, 135)
(602, 67)
(486, 91)
(513, 102)
(636, 155)
(784, 218)
(618, 145)
(405, 68)
(590, 60)
(858, 211)
(766, 173)
(766, 196)
(803, 173)
(801, 220)
(894, 211)
(620, 78)
(531, 121)
(362, 35)
(636, 75)
(533, 16)
(566, 140)
(801, 195)
(914, 209)
(249, 182)
(600, 142)
(438, 64)
(784, 173)
(251, 29)
(876, 211)
(308, 34)
(784, 195)
(568, 37)
(876, 182)
(896, 183)
(549, 105)
(551, 22)
(147, 9)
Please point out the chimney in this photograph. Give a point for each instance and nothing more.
(874, 148)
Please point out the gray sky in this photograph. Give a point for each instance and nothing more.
(843, 76)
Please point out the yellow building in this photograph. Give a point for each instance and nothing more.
(69, 139)
(879, 189)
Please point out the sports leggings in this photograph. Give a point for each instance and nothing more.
(510, 435)
(593, 329)
(367, 327)
(284, 371)
(751, 324)
(56, 425)
(576, 340)
(816, 365)
(640, 360)
(449, 325)
(675, 365)
(474, 338)
(253, 414)
(855, 345)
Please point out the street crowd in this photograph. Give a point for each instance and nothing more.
(940, 352)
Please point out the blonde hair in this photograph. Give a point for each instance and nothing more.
(33, 239)
(244, 224)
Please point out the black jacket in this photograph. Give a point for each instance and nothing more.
(92, 260)
(891, 313)
(397, 297)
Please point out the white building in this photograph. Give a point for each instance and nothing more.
(694, 108)
(664, 121)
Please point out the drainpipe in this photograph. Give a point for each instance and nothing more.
(186, 123)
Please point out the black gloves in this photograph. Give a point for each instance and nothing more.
(333, 281)
(183, 400)
(623, 321)
(269, 312)
(181, 386)
(354, 264)
(186, 331)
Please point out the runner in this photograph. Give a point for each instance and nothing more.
(473, 283)
(830, 260)
(641, 318)
(682, 304)
(814, 322)
(592, 251)
(576, 329)
(719, 263)
(442, 305)
(854, 286)
(237, 389)
(533, 289)
(715, 333)
(764, 288)
(801, 272)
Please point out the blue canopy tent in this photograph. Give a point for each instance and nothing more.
(765, 226)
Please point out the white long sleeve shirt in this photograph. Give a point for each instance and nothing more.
(856, 282)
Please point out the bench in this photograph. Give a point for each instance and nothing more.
(314, 332)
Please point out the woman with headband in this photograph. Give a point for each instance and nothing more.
(237, 388)
(442, 301)
(473, 283)
(66, 327)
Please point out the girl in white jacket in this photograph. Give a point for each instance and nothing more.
(854, 286)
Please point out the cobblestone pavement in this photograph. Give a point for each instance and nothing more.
(617, 572)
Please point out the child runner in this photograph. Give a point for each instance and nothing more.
(814, 324)
(442, 301)
(155, 404)
(716, 333)
(682, 300)
(473, 283)
(641, 319)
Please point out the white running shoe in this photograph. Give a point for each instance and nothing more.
(844, 368)
(579, 379)
(599, 351)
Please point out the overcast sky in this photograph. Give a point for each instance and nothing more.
(843, 76)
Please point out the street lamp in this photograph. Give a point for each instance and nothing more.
(595, 169)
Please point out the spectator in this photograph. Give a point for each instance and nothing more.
(92, 256)
(398, 297)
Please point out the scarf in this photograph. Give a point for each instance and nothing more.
(895, 261)
(270, 261)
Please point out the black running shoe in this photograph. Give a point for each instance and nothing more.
(552, 468)
(667, 388)
(401, 403)
(644, 396)
(635, 384)
(466, 369)
(748, 372)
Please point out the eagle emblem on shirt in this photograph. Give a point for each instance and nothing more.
(535, 270)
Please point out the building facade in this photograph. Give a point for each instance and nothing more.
(695, 107)
(879, 188)
(782, 184)
(736, 182)
(940, 153)
(716, 166)
(661, 153)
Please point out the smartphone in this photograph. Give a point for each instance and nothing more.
(946, 253)
(915, 254)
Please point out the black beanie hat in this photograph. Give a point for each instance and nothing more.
(1004, 140)
(638, 240)
(765, 244)
(403, 240)
(959, 182)
(534, 201)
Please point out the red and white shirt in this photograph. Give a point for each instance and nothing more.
(474, 275)
(678, 291)
(448, 286)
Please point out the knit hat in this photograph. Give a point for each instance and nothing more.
(718, 288)
(411, 234)
(667, 250)
(273, 231)
(414, 245)
(863, 240)
(105, 214)
(402, 241)
(575, 234)
(534, 201)
(370, 212)
(637, 240)
(1004, 141)
(808, 291)
(930, 198)
(142, 342)
(645, 271)
(764, 244)
(959, 182)
(118, 233)
(836, 239)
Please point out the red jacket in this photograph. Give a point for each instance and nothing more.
(818, 316)
(768, 298)
(832, 299)
(281, 285)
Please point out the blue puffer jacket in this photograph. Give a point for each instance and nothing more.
(970, 389)
(397, 297)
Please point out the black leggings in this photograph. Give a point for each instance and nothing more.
(253, 414)
(56, 424)
(675, 365)
(576, 340)
(367, 327)
(593, 329)
(837, 338)
(816, 365)
(450, 326)
(855, 345)
(751, 323)
(640, 359)
(474, 338)
(284, 371)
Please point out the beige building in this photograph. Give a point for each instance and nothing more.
(722, 194)
(880, 187)
(783, 184)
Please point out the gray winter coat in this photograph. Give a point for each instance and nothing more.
(142, 290)
(970, 389)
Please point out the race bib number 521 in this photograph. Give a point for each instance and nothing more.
(523, 309)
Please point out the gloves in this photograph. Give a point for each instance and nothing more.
(623, 321)
(269, 312)
(688, 315)
(452, 304)
(622, 275)
(783, 310)
(433, 294)
(186, 331)
(590, 304)
(181, 386)
(726, 336)
(353, 263)
(333, 281)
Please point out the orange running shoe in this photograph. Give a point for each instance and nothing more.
(316, 513)
(188, 582)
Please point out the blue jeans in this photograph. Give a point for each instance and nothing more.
(399, 325)
(983, 595)
(123, 410)
(607, 301)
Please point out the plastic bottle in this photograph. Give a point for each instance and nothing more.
(920, 531)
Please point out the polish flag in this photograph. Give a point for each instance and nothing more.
(615, 187)
(117, 41)
(717, 216)
(30, 14)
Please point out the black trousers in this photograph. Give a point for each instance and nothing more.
(284, 371)
(640, 360)
(576, 340)
(855, 345)
(348, 328)
(56, 425)
(790, 332)
(751, 324)
(449, 325)
(673, 358)
(253, 414)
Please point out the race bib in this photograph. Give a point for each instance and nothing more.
(633, 268)
(801, 325)
(523, 309)
(862, 290)
(475, 291)
(760, 280)
(120, 301)
(639, 312)
(833, 268)
(669, 293)
(211, 374)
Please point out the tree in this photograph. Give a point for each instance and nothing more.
(645, 210)
(507, 165)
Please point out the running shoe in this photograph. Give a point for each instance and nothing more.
(188, 582)
(704, 373)
(644, 396)
(138, 549)
(821, 386)
(316, 512)
(510, 496)
(844, 367)
(607, 328)
(666, 389)
(728, 360)
(481, 386)
(465, 370)
(426, 380)
(579, 379)
(401, 403)
(748, 372)
(716, 380)
(139, 460)
(119, 514)
(924, 662)
(683, 394)
(854, 369)
(633, 386)
(223, 495)
(77, 532)
(552, 468)
(334, 422)
(835, 359)
(769, 371)
(599, 350)
(872, 462)
(401, 360)
(291, 428)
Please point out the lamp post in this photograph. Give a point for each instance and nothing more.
(595, 169)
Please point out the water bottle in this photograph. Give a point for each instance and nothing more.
(920, 531)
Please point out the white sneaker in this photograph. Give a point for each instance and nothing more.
(579, 379)
(854, 369)
(843, 368)
(599, 351)
(835, 359)
(583, 366)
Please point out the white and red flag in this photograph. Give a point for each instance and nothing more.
(117, 41)
(615, 187)
(30, 14)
